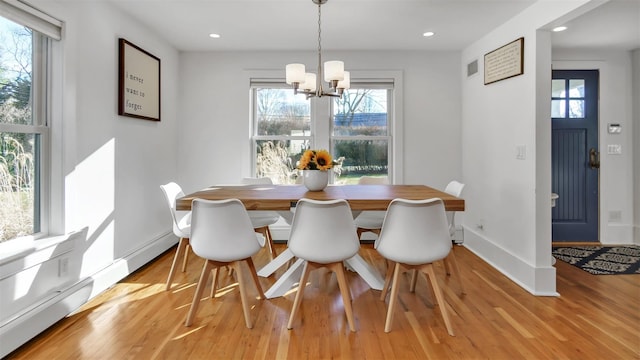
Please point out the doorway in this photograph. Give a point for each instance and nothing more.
(575, 155)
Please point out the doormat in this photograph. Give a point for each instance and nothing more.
(601, 260)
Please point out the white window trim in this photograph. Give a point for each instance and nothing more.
(361, 76)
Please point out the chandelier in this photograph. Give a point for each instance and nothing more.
(310, 84)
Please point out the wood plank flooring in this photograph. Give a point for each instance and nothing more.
(596, 317)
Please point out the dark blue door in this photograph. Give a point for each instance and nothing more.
(575, 157)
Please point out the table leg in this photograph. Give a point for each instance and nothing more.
(276, 263)
(286, 281)
(366, 271)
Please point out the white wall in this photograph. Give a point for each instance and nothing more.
(107, 170)
(508, 217)
(214, 111)
(615, 102)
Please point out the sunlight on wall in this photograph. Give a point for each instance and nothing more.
(91, 196)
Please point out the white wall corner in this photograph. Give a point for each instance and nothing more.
(539, 281)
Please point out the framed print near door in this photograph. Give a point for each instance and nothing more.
(138, 82)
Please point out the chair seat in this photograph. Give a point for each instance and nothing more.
(265, 218)
(370, 219)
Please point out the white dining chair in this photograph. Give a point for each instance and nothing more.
(414, 235)
(261, 220)
(323, 235)
(370, 221)
(181, 223)
(222, 234)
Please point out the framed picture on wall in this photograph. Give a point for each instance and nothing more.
(138, 82)
(504, 62)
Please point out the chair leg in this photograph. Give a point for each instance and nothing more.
(299, 294)
(387, 279)
(393, 299)
(414, 280)
(254, 275)
(186, 257)
(268, 240)
(182, 247)
(199, 290)
(428, 269)
(214, 282)
(243, 295)
(454, 264)
(359, 232)
(338, 268)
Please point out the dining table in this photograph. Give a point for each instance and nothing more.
(283, 199)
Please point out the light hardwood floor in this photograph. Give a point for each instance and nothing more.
(596, 317)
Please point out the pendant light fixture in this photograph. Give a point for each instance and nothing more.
(310, 84)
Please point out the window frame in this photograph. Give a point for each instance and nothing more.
(320, 109)
(41, 100)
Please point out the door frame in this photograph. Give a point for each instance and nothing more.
(583, 65)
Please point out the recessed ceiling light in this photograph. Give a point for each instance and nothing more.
(559, 28)
(428, 34)
(215, 36)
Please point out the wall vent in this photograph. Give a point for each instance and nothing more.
(472, 68)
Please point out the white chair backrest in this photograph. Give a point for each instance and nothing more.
(221, 230)
(453, 188)
(257, 181)
(414, 232)
(323, 231)
(373, 180)
(171, 192)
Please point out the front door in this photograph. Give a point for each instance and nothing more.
(575, 157)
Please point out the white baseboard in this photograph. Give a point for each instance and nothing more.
(539, 281)
(48, 311)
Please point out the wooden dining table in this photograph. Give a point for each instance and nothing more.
(283, 198)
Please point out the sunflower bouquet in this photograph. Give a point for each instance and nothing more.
(315, 160)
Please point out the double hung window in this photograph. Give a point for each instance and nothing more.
(356, 129)
(24, 125)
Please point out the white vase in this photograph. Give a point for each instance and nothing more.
(315, 180)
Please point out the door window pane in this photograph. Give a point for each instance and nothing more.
(557, 88)
(576, 88)
(576, 109)
(557, 108)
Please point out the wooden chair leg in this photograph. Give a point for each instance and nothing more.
(199, 290)
(243, 295)
(338, 268)
(393, 299)
(299, 294)
(182, 245)
(428, 269)
(454, 264)
(272, 247)
(254, 275)
(214, 282)
(187, 249)
(387, 279)
(414, 280)
(359, 232)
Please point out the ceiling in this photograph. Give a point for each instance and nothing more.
(364, 24)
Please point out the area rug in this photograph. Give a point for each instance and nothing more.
(601, 260)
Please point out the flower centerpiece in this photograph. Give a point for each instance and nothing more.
(315, 165)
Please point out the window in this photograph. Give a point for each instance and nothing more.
(567, 98)
(361, 131)
(24, 128)
(356, 127)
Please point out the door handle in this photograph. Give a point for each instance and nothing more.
(594, 159)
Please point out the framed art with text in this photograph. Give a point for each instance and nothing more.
(138, 82)
(504, 62)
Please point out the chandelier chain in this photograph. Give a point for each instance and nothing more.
(319, 80)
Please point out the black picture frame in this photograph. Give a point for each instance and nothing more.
(138, 82)
(504, 62)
